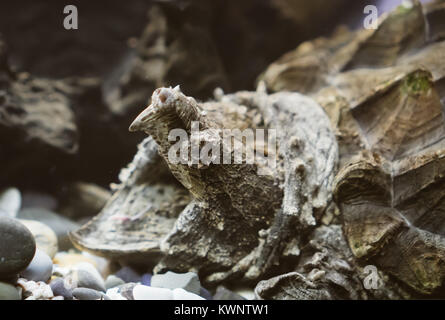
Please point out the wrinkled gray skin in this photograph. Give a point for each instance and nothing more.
(240, 224)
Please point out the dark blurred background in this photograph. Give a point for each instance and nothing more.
(100, 76)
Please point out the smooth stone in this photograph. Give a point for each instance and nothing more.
(40, 268)
(205, 294)
(101, 264)
(69, 259)
(113, 281)
(114, 294)
(35, 199)
(128, 274)
(222, 293)
(146, 279)
(181, 294)
(46, 239)
(60, 288)
(9, 292)
(17, 247)
(87, 276)
(10, 202)
(60, 225)
(141, 292)
(89, 294)
(246, 293)
(188, 281)
(82, 199)
(126, 290)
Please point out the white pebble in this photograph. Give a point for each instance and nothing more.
(141, 292)
(181, 294)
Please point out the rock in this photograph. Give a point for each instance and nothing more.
(128, 275)
(126, 290)
(33, 290)
(60, 225)
(146, 279)
(205, 294)
(114, 294)
(87, 276)
(188, 281)
(101, 264)
(9, 292)
(222, 293)
(113, 281)
(40, 268)
(141, 292)
(61, 288)
(89, 294)
(10, 202)
(83, 199)
(39, 125)
(46, 239)
(17, 247)
(181, 294)
(34, 199)
(69, 259)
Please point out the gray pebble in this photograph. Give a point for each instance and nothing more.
(17, 247)
(89, 294)
(113, 281)
(188, 281)
(40, 268)
(9, 292)
(128, 275)
(60, 288)
(88, 280)
(126, 290)
(223, 293)
(87, 276)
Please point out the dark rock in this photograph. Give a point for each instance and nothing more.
(223, 293)
(17, 247)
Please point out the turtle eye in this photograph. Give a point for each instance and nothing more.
(162, 97)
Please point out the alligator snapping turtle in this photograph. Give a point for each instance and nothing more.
(239, 222)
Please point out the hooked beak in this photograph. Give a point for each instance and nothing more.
(140, 123)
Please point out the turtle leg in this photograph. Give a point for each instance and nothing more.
(283, 228)
(204, 239)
